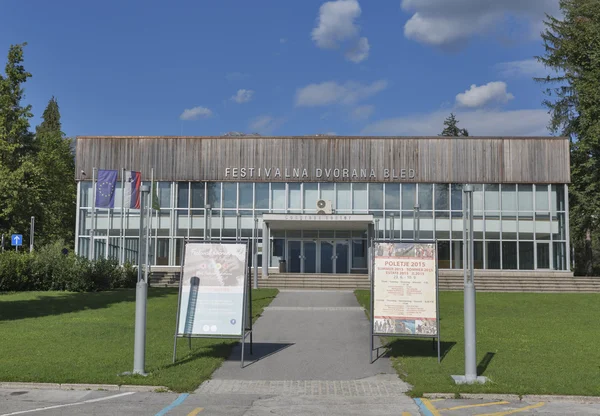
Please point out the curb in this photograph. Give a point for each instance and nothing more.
(517, 398)
(71, 386)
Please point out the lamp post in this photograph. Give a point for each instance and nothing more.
(470, 376)
(391, 226)
(417, 222)
(141, 296)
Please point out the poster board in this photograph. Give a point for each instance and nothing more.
(404, 289)
(214, 293)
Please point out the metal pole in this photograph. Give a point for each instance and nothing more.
(238, 229)
(92, 231)
(31, 234)
(392, 226)
(469, 300)
(417, 222)
(122, 230)
(255, 257)
(141, 295)
(147, 235)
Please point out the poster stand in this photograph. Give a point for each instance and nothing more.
(246, 308)
(372, 306)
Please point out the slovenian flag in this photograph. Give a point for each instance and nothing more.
(133, 183)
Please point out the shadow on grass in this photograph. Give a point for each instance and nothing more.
(407, 347)
(483, 364)
(67, 302)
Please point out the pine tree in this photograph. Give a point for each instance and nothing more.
(572, 52)
(451, 127)
(56, 161)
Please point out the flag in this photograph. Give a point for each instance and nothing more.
(133, 183)
(105, 188)
(155, 200)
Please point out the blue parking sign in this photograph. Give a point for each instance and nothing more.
(17, 240)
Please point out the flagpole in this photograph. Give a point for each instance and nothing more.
(149, 223)
(122, 230)
(93, 230)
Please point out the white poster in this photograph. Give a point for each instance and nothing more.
(212, 289)
(404, 289)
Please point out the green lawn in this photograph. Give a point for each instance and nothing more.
(527, 343)
(62, 337)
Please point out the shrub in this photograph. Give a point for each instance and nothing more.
(15, 271)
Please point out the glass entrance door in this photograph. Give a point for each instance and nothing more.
(294, 257)
(310, 257)
(326, 257)
(342, 251)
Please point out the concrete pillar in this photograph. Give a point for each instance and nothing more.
(266, 245)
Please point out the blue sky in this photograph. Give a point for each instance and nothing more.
(345, 67)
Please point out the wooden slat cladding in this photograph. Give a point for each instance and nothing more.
(331, 159)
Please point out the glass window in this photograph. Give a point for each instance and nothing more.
(543, 255)
(360, 198)
(444, 254)
(509, 255)
(229, 195)
(456, 194)
(359, 254)
(328, 192)
(457, 254)
(164, 194)
(295, 197)
(525, 197)
(558, 197)
(509, 197)
(375, 196)
(86, 194)
(214, 194)
(509, 225)
(558, 227)
(408, 195)
(542, 226)
(492, 254)
(478, 197)
(541, 198)
(442, 200)
(245, 195)
(492, 225)
(311, 193)
(526, 255)
(525, 226)
(197, 194)
(559, 256)
(183, 194)
(478, 257)
(278, 195)
(492, 200)
(425, 196)
(392, 196)
(343, 197)
(262, 195)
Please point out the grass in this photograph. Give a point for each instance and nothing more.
(527, 343)
(62, 337)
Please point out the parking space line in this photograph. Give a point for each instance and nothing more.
(58, 406)
(474, 405)
(436, 400)
(173, 405)
(195, 411)
(426, 407)
(510, 412)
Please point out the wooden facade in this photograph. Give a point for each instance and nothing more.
(331, 158)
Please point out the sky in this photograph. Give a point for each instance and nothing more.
(274, 67)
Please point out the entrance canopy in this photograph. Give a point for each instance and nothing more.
(317, 221)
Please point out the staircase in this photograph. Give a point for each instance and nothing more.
(316, 281)
(164, 279)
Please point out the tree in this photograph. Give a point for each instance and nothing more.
(19, 184)
(572, 52)
(451, 127)
(59, 190)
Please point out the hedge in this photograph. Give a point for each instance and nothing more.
(49, 269)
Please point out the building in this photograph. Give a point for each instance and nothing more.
(320, 199)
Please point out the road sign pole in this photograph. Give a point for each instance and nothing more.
(141, 295)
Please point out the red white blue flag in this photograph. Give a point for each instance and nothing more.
(133, 183)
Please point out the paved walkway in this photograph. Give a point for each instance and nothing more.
(311, 356)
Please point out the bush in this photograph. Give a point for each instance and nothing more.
(49, 269)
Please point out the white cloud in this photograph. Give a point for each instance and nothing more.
(266, 124)
(327, 93)
(524, 68)
(478, 123)
(363, 112)
(452, 23)
(490, 93)
(243, 96)
(336, 26)
(195, 113)
(359, 52)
